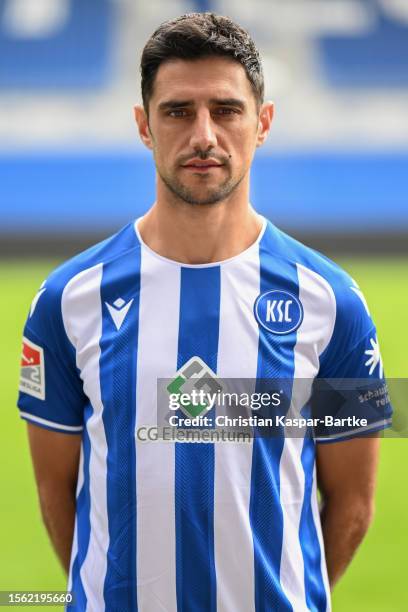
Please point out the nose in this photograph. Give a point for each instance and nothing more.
(203, 137)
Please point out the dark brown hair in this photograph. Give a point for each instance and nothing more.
(197, 35)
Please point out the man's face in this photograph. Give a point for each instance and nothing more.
(203, 127)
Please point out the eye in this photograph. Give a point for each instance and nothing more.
(223, 110)
(177, 113)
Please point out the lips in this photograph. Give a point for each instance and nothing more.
(200, 164)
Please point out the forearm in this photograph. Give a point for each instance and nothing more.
(344, 522)
(58, 512)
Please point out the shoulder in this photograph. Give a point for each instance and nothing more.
(45, 318)
(288, 248)
(329, 295)
(315, 269)
(102, 253)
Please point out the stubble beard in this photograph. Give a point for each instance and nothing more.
(189, 196)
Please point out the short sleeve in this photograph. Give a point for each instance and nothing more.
(350, 393)
(50, 389)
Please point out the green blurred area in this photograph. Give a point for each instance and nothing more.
(376, 579)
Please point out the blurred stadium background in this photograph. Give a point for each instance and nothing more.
(333, 173)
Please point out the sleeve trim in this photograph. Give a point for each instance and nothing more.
(40, 421)
(383, 424)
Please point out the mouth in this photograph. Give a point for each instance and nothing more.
(202, 165)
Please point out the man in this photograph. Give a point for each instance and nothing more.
(168, 525)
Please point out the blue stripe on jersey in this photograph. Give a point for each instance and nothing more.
(275, 360)
(194, 463)
(316, 597)
(83, 505)
(121, 279)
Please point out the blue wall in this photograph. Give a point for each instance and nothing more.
(77, 55)
(306, 191)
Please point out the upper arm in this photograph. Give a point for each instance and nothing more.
(55, 458)
(51, 390)
(348, 468)
(350, 386)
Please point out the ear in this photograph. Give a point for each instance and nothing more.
(143, 126)
(266, 114)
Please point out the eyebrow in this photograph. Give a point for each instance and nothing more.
(228, 102)
(173, 104)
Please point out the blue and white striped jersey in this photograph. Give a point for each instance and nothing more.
(166, 526)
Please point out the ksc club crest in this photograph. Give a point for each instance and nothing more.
(279, 312)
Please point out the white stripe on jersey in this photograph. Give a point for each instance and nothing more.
(82, 316)
(155, 475)
(292, 489)
(237, 357)
(313, 291)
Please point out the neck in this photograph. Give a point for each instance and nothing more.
(200, 234)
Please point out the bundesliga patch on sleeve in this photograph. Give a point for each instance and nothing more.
(32, 377)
